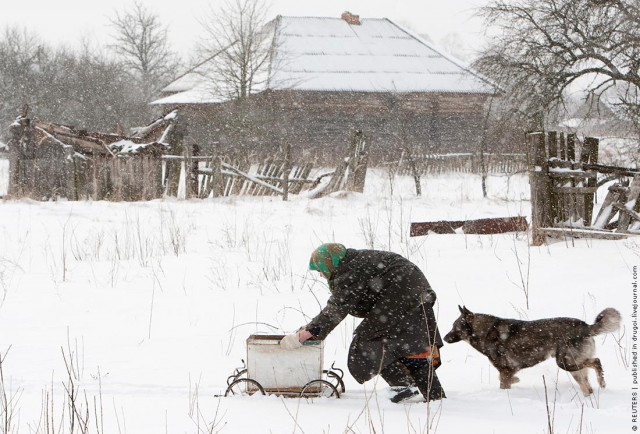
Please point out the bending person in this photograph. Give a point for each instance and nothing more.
(398, 337)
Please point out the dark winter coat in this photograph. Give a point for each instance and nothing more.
(394, 299)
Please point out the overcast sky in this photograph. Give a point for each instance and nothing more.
(67, 21)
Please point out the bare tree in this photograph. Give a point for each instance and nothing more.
(540, 48)
(22, 54)
(99, 93)
(142, 43)
(85, 88)
(240, 44)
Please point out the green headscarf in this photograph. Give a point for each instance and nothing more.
(326, 258)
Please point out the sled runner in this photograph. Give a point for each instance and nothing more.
(294, 373)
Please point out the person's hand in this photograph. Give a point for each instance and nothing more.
(304, 335)
(291, 341)
(295, 340)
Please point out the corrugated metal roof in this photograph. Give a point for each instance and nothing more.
(328, 54)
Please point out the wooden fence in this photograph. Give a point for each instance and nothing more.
(98, 178)
(495, 163)
(49, 161)
(564, 190)
(213, 176)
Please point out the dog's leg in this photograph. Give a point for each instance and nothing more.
(507, 378)
(597, 366)
(582, 378)
(579, 370)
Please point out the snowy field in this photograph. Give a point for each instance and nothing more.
(138, 312)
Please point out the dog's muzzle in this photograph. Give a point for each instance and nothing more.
(451, 338)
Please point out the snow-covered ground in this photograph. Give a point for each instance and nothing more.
(149, 305)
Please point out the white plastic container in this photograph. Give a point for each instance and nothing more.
(281, 371)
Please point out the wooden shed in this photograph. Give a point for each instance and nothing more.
(329, 76)
(49, 161)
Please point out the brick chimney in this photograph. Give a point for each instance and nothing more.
(350, 18)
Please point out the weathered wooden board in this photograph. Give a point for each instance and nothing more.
(581, 233)
(607, 211)
(478, 226)
(630, 204)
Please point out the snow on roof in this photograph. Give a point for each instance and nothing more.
(375, 56)
(328, 54)
(142, 132)
(125, 147)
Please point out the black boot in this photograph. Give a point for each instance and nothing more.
(425, 378)
(397, 375)
(404, 394)
(435, 392)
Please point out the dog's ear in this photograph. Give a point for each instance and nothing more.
(464, 311)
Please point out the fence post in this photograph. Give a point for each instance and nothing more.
(590, 155)
(16, 157)
(173, 167)
(70, 176)
(353, 157)
(552, 140)
(360, 163)
(157, 172)
(217, 185)
(541, 213)
(188, 160)
(594, 145)
(285, 171)
(571, 147)
(191, 168)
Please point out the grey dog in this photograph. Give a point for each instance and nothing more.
(512, 344)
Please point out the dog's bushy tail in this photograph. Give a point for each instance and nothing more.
(607, 321)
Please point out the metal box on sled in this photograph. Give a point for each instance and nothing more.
(270, 369)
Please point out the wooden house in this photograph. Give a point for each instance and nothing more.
(330, 76)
